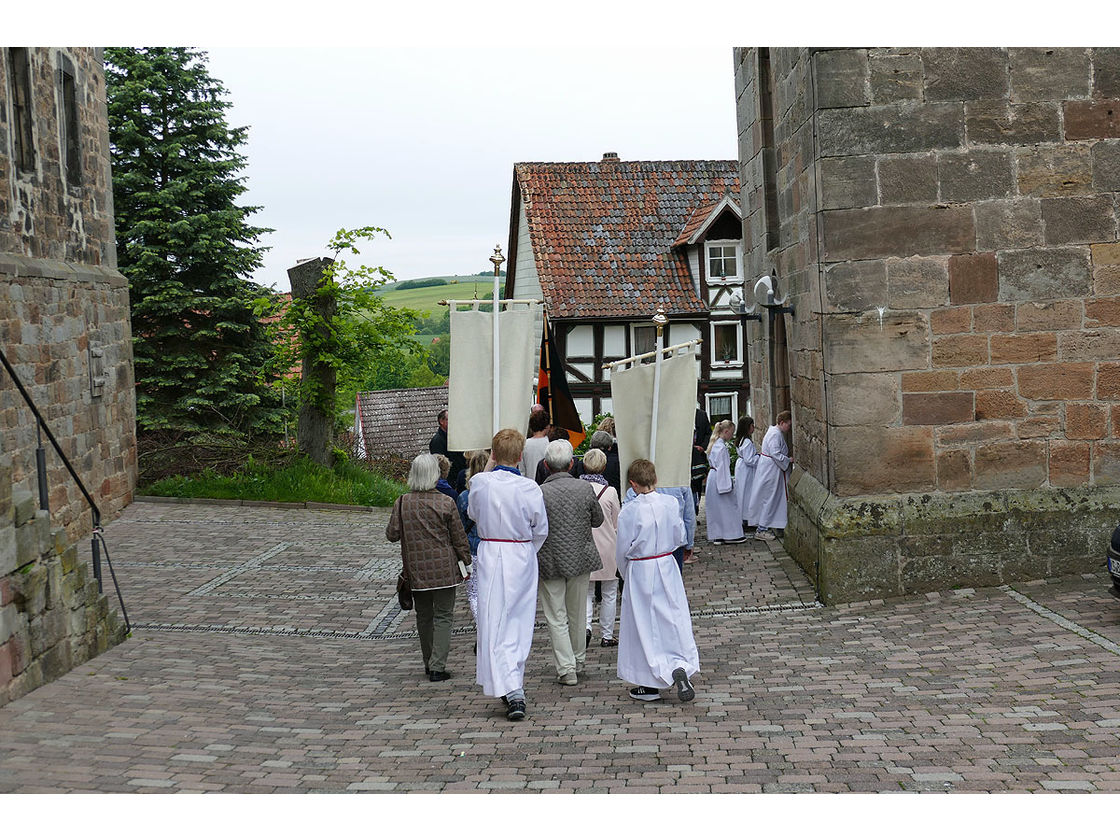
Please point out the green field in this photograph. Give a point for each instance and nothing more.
(427, 299)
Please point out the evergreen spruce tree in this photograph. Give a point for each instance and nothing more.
(202, 355)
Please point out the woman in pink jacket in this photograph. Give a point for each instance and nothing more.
(594, 463)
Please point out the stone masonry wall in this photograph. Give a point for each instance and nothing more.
(51, 615)
(971, 267)
(780, 240)
(64, 326)
(64, 320)
(969, 279)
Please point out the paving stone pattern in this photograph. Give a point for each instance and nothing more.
(268, 656)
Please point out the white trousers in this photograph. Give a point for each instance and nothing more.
(608, 609)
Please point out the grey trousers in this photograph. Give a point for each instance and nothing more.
(434, 609)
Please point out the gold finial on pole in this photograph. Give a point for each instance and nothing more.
(497, 258)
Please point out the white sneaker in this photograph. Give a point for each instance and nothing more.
(764, 535)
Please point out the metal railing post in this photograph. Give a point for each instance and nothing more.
(41, 468)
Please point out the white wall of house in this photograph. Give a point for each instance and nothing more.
(526, 281)
(614, 341)
(581, 340)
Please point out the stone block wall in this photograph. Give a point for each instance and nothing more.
(779, 201)
(51, 615)
(64, 318)
(968, 291)
(64, 327)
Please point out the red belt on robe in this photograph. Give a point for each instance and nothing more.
(652, 556)
(488, 539)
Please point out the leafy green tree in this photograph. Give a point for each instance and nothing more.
(439, 356)
(201, 353)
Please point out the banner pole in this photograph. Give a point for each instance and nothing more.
(497, 259)
(548, 371)
(659, 320)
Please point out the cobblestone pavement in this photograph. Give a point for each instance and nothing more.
(268, 655)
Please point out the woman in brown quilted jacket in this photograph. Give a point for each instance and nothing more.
(433, 547)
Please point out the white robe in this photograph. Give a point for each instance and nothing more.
(767, 505)
(655, 632)
(509, 507)
(744, 476)
(720, 504)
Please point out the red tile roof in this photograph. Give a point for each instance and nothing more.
(603, 232)
(698, 217)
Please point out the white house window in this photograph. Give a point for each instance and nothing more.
(723, 407)
(723, 260)
(727, 344)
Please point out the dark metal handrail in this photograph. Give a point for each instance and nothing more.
(40, 460)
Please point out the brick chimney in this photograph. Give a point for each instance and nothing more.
(610, 156)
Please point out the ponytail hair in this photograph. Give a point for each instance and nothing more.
(719, 427)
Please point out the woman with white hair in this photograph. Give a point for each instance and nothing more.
(725, 522)
(433, 549)
(594, 462)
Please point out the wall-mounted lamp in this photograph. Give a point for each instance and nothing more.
(739, 305)
(764, 296)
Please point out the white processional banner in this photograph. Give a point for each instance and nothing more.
(470, 401)
(632, 399)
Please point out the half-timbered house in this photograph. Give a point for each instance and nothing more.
(606, 244)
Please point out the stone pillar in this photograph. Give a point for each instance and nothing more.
(315, 424)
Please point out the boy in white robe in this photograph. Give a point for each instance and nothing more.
(767, 506)
(656, 648)
(509, 512)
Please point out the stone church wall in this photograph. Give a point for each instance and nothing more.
(964, 281)
(64, 320)
(64, 326)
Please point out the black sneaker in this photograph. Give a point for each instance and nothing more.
(438, 676)
(608, 643)
(516, 710)
(644, 693)
(685, 691)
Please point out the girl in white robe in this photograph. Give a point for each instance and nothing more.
(512, 526)
(745, 466)
(767, 506)
(725, 522)
(656, 648)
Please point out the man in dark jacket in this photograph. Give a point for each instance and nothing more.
(566, 560)
(438, 446)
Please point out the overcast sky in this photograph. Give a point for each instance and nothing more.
(422, 142)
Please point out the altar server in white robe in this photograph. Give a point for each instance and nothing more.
(745, 466)
(656, 648)
(512, 525)
(767, 505)
(725, 523)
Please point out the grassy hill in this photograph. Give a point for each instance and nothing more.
(426, 299)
